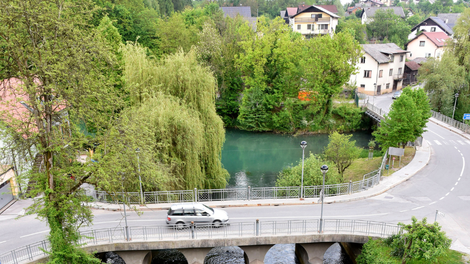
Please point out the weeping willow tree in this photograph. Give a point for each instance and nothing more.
(181, 76)
(169, 137)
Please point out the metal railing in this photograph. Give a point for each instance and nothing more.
(232, 194)
(451, 122)
(256, 228)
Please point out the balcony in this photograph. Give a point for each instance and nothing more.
(311, 20)
(398, 76)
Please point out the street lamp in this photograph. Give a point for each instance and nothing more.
(124, 206)
(455, 103)
(303, 145)
(375, 91)
(137, 150)
(323, 169)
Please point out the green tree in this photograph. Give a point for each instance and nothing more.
(423, 241)
(354, 26)
(341, 151)
(60, 67)
(405, 121)
(173, 34)
(292, 176)
(387, 25)
(442, 80)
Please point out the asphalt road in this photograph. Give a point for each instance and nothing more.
(442, 185)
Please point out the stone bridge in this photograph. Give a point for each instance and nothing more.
(308, 248)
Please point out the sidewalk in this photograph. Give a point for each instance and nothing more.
(420, 160)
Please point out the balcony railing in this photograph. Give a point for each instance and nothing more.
(311, 20)
(398, 76)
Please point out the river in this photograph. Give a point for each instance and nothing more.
(255, 159)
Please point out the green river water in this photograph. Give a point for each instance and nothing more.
(255, 159)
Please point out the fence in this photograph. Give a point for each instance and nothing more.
(452, 122)
(231, 194)
(235, 230)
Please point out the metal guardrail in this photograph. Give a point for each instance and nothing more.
(451, 122)
(232, 194)
(257, 228)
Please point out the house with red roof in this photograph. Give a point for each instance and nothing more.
(311, 20)
(426, 45)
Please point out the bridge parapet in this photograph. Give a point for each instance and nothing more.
(375, 112)
(236, 234)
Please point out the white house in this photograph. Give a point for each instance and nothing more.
(311, 20)
(381, 69)
(431, 24)
(427, 44)
(369, 12)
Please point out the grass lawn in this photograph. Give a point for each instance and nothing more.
(362, 166)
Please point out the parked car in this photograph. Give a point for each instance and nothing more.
(396, 94)
(181, 215)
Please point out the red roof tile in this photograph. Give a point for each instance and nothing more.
(438, 38)
(291, 11)
(412, 65)
(331, 8)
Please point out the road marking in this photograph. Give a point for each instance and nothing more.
(446, 143)
(460, 142)
(456, 183)
(447, 194)
(436, 134)
(441, 198)
(437, 142)
(463, 167)
(403, 211)
(33, 234)
(459, 178)
(2, 242)
(467, 141)
(432, 203)
(452, 189)
(417, 208)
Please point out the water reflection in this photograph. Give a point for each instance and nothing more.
(255, 159)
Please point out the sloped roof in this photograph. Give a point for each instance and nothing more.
(397, 10)
(291, 11)
(233, 11)
(439, 22)
(420, 60)
(332, 8)
(450, 19)
(438, 38)
(303, 7)
(381, 52)
(316, 9)
(413, 65)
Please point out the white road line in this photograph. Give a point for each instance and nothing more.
(460, 142)
(447, 194)
(452, 189)
(463, 167)
(441, 198)
(403, 211)
(467, 141)
(33, 234)
(417, 208)
(456, 183)
(432, 203)
(437, 142)
(459, 178)
(2, 242)
(436, 134)
(429, 142)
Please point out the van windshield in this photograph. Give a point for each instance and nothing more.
(212, 210)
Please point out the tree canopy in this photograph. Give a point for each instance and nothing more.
(341, 151)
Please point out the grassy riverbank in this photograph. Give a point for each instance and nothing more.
(364, 165)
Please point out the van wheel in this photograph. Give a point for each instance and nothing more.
(179, 225)
(217, 224)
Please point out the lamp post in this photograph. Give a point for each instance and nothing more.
(303, 145)
(137, 150)
(124, 206)
(455, 104)
(323, 169)
(375, 91)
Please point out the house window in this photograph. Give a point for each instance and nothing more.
(401, 57)
(399, 71)
(427, 55)
(316, 15)
(390, 72)
(363, 86)
(433, 29)
(379, 88)
(392, 58)
(381, 73)
(323, 26)
(367, 74)
(387, 86)
(309, 27)
(298, 27)
(421, 43)
(411, 55)
(363, 59)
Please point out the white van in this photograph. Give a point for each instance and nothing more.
(181, 215)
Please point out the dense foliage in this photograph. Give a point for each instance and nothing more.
(389, 27)
(341, 151)
(421, 242)
(406, 120)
